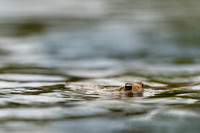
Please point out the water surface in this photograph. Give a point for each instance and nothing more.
(58, 58)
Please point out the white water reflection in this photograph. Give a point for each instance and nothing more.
(30, 77)
(4, 84)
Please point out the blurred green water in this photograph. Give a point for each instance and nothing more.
(99, 45)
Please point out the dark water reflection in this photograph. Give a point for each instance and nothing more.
(60, 58)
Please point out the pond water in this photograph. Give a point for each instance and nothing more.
(58, 58)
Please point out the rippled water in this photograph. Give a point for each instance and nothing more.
(59, 59)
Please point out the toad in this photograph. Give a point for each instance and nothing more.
(131, 88)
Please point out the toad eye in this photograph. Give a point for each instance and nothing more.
(142, 85)
(128, 88)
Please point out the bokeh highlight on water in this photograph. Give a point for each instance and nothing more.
(59, 58)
